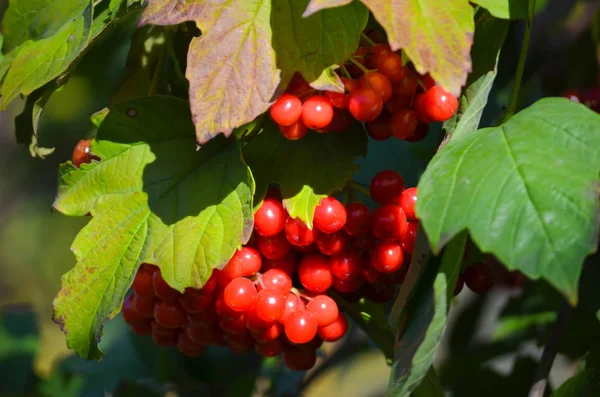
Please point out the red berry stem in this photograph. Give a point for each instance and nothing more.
(352, 185)
(367, 40)
(359, 65)
(345, 72)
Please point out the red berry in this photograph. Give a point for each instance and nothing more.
(380, 129)
(130, 315)
(330, 215)
(365, 104)
(403, 123)
(574, 95)
(439, 104)
(397, 103)
(254, 322)
(324, 309)
(409, 238)
(386, 187)
(292, 303)
(239, 343)
(270, 304)
(232, 270)
(162, 290)
(347, 286)
(420, 109)
(377, 52)
(250, 260)
(169, 315)
(188, 347)
(277, 279)
(143, 328)
(407, 88)
(210, 285)
(460, 282)
(391, 66)
(81, 153)
(223, 309)
(341, 122)
(514, 279)
(387, 257)
(299, 87)
(164, 340)
(317, 112)
(268, 334)
(144, 306)
(428, 81)
(389, 222)
(286, 110)
(479, 278)
(368, 272)
(420, 133)
(298, 359)
(271, 348)
(142, 283)
(239, 294)
(286, 264)
(275, 247)
(269, 219)
(408, 201)
(297, 233)
(358, 219)
(295, 131)
(346, 266)
(205, 318)
(338, 99)
(332, 244)
(300, 327)
(204, 335)
(233, 325)
(349, 84)
(334, 331)
(315, 273)
(158, 329)
(379, 83)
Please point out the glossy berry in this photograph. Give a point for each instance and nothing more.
(386, 187)
(250, 260)
(286, 264)
(332, 244)
(270, 304)
(144, 306)
(330, 215)
(387, 257)
(130, 315)
(254, 322)
(409, 238)
(334, 331)
(81, 153)
(346, 266)
(286, 110)
(300, 327)
(278, 279)
(142, 283)
(292, 303)
(358, 219)
(295, 131)
(275, 247)
(389, 222)
(298, 359)
(420, 109)
(439, 104)
(407, 88)
(324, 310)
(365, 104)
(271, 348)
(223, 309)
(339, 100)
(239, 294)
(315, 273)
(232, 270)
(404, 123)
(390, 65)
(377, 52)
(299, 87)
(169, 315)
(349, 84)
(479, 278)
(269, 219)
(317, 112)
(378, 82)
(233, 325)
(297, 233)
(380, 129)
(408, 201)
(162, 290)
(341, 122)
(268, 334)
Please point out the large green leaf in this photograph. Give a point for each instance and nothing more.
(307, 170)
(584, 384)
(526, 190)
(311, 44)
(231, 67)
(437, 39)
(154, 198)
(507, 9)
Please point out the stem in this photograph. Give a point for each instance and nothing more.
(368, 40)
(514, 97)
(550, 350)
(359, 188)
(345, 72)
(171, 51)
(359, 65)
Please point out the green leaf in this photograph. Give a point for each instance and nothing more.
(311, 44)
(436, 39)
(153, 198)
(526, 190)
(430, 386)
(231, 67)
(584, 384)
(297, 166)
(510, 325)
(506, 9)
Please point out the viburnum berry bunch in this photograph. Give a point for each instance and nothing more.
(380, 89)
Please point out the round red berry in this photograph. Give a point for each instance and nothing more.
(298, 359)
(300, 327)
(297, 233)
(332, 244)
(338, 99)
(387, 257)
(130, 315)
(295, 131)
(239, 294)
(357, 220)
(479, 278)
(233, 325)
(389, 222)
(292, 303)
(317, 112)
(275, 247)
(439, 104)
(377, 52)
(315, 273)
(286, 110)
(254, 322)
(347, 286)
(188, 347)
(271, 348)
(142, 283)
(380, 129)
(287, 264)
(268, 334)
(223, 308)
(162, 290)
(346, 266)
(169, 315)
(420, 133)
(379, 83)
(278, 279)
(365, 104)
(330, 215)
(404, 123)
(164, 340)
(299, 87)
(324, 309)
(144, 306)
(386, 187)
(407, 88)
(409, 238)
(420, 109)
(270, 304)
(269, 219)
(408, 201)
(334, 331)
(390, 65)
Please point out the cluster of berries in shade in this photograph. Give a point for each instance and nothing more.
(589, 97)
(480, 278)
(391, 98)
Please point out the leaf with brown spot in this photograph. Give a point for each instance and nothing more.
(437, 39)
(231, 67)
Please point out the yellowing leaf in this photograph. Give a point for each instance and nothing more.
(231, 67)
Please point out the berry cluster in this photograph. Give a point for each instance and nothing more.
(480, 278)
(391, 98)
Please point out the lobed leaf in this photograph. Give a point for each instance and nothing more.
(153, 198)
(506, 9)
(527, 191)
